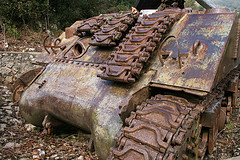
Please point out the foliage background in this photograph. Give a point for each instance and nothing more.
(53, 14)
(42, 15)
(232, 4)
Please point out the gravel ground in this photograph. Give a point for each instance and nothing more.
(228, 142)
(20, 140)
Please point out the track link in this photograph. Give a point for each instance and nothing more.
(113, 29)
(107, 29)
(126, 63)
(167, 127)
(161, 128)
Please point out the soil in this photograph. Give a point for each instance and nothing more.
(21, 140)
(29, 41)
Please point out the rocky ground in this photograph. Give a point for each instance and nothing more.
(228, 142)
(29, 41)
(20, 140)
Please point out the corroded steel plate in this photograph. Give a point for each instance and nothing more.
(204, 70)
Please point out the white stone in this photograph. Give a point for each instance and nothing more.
(9, 64)
(36, 156)
(2, 127)
(31, 49)
(16, 121)
(11, 145)
(54, 156)
(41, 153)
(30, 127)
(5, 71)
(9, 112)
(7, 107)
(80, 158)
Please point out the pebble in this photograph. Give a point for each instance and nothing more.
(80, 158)
(2, 127)
(53, 156)
(42, 153)
(7, 107)
(9, 112)
(8, 100)
(29, 127)
(36, 157)
(31, 49)
(16, 121)
(11, 145)
(11, 104)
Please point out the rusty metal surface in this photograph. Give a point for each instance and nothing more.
(237, 39)
(90, 25)
(50, 52)
(158, 128)
(126, 64)
(47, 44)
(22, 82)
(209, 119)
(76, 95)
(161, 128)
(113, 29)
(222, 118)
(203, 71)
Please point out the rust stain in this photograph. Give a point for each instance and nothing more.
(198, 72)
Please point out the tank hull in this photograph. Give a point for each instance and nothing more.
(82, 83)
(75, 97)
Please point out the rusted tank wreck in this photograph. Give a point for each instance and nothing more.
(147, 84)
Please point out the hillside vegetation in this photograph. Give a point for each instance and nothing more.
(41, 15)
(232, 4)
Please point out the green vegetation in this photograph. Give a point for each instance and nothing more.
(230, 126)
(193, 4)
(58, 14)
(232, 4)
(12, 31)
(41, 15)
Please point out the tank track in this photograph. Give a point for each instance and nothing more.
(107, 29)
(167, 127)
(161, 128)
(113, 29)
(126, 63)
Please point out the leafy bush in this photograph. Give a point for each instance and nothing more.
(68, 11)
(13, 32)
(46, 14)
(23, 12)
(232, 4)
